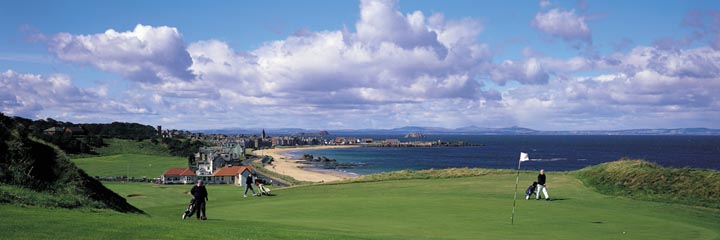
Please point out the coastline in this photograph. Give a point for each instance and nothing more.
(285, 164)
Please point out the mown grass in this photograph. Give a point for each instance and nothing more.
(136, 165)
(434, 208)
(649, 181)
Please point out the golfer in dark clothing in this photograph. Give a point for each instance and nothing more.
(249, 181)
(541, 188)
(201, 196)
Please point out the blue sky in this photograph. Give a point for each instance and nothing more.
(548, 65)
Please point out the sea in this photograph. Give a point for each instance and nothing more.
(552, 153)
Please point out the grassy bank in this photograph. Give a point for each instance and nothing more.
(430, 174)
(260, 168)
(649, 181)
(114, 146)
(25, 197)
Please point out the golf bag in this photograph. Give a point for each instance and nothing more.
(190, 209)
(530, 190)
(260, 183)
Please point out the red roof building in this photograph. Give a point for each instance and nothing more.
(232, 175)
(231, 171)
(176, 172)
(178, 175)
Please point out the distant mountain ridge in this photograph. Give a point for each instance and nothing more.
(469, 130)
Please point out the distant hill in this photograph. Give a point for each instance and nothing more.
(471, 130)
(30, 167)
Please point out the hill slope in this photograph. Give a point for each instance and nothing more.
(649, 181)
(30, 164)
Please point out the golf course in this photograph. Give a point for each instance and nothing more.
(474, 207)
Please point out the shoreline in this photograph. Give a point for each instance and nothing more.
(286, 164)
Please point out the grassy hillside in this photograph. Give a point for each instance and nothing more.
(115, 146)
(35, 173)
(649, 181)
(435, 208)
(137, 165)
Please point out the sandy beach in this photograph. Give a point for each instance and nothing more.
(286, 165)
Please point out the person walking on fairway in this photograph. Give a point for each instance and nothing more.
(541, 187)
(249, 181)
(201, 196)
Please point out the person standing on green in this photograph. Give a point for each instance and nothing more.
(541, 186)
(249, 181)
(201, 196)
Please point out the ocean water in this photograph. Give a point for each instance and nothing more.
(552, 153)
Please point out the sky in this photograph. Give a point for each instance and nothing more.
(326, 64)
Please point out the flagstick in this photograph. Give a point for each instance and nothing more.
(517, 178)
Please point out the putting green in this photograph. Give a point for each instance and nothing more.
(455, 208)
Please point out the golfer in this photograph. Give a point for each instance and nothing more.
(541, 187)
(249, 181)
(201, 196)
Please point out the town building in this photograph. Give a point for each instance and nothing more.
(53, 130)
(224, 175)
(178, 176)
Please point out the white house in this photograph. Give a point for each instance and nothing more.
(178, 175)
(231, 175)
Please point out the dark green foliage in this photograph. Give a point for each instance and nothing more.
(121, 130)
(91, 138)
(31, 164)
(649, 181)
(115, 146)
(182, 147)
(67, 142)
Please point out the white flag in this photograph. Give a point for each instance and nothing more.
(524, 157)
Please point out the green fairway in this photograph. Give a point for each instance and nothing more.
(451, 208)
(137, 165)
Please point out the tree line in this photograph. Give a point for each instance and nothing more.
(92, 135)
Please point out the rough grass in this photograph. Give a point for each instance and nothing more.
(25, 197)
(649, 181)
(430, 174)
(124, 146)
(260, 168)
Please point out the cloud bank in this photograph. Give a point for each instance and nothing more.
(394, 69)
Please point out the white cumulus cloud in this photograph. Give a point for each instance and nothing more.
(563, 24)
(145, 54)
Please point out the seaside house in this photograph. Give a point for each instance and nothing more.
(208, 159)
(178, 176)
(53, 130)
(231, 175)
(392, 142)
(75, 130)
